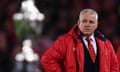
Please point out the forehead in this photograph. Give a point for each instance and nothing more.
(88, 16)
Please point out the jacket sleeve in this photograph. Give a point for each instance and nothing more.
(114, 66)
(118, 55)
(53, 56)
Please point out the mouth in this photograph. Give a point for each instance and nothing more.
(87, 29)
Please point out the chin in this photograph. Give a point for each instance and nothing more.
(87, 33)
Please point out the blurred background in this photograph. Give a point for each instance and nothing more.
(29, 27)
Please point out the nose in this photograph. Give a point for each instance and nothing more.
(87, 23)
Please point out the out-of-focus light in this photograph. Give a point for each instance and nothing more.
(36, 58)
(32, 17)
(29, 57)
(27, 49)
(18, 16)
(27, 42)
(19, 57)
(31, 12)
(27, 5)
(41, 17)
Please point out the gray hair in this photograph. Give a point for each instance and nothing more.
(91, 11)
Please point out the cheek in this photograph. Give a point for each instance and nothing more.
(95, 26)
(81, 27)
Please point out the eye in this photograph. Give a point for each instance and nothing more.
(92, 22)
(84, 21)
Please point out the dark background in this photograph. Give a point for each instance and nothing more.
(60, 16)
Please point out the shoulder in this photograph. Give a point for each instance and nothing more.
(108, 42)
(64, 40)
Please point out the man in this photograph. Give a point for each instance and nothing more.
(83, 49)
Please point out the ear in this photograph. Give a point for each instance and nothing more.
(78, 22)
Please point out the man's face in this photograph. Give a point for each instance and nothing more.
(87, 23)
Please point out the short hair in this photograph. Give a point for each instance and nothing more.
(91, 11)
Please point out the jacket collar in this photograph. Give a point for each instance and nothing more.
(75, 32)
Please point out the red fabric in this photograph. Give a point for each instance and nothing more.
(118, 55)
(61, 56)
(91, 50)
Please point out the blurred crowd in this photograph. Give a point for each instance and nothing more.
(60, 16)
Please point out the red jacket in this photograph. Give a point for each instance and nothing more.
(118, 55)
(68, 50)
